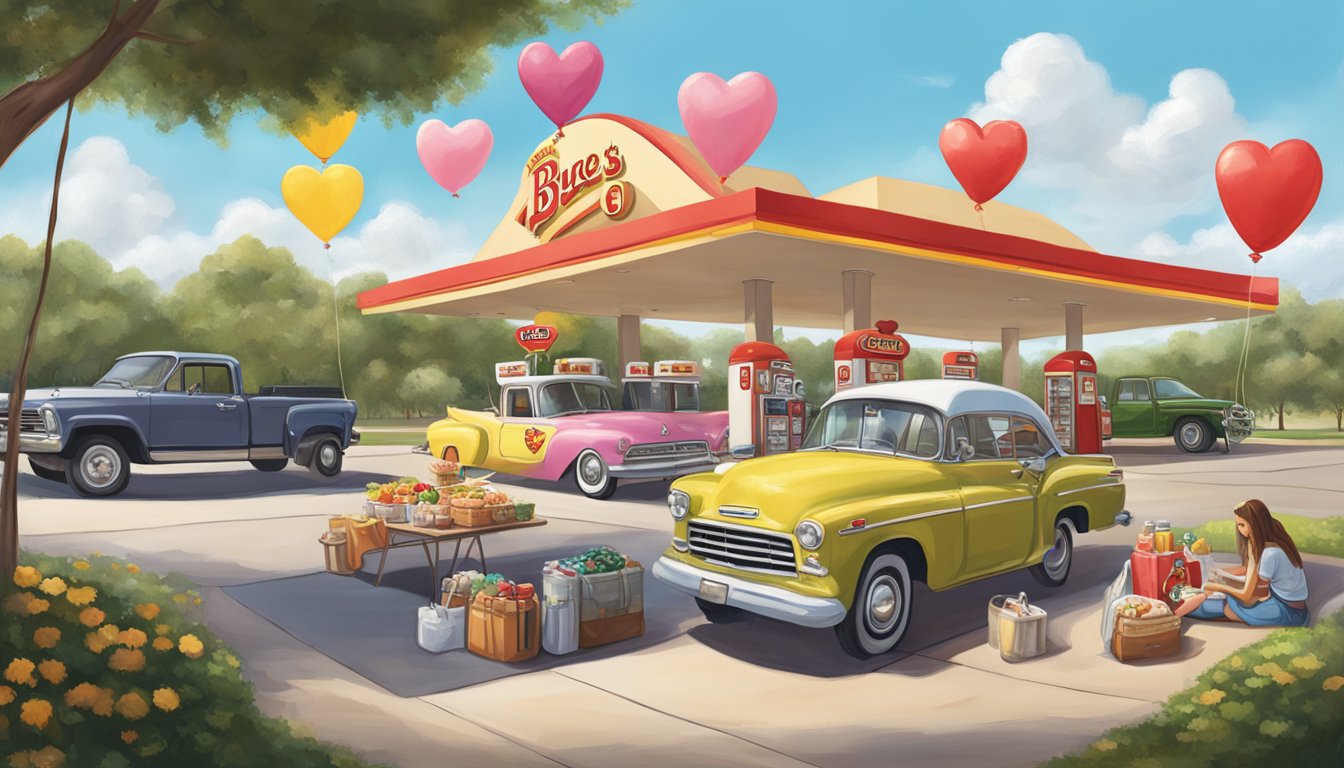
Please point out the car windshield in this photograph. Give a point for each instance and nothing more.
(881, 426)
(638, 396)
(130, 372)
(1170, 389)
(567, 397)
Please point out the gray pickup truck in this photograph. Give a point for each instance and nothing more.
(170, 407)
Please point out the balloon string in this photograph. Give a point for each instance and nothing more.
(722, 179)
(336, 309)
(455, 194)
(981, 212)
(1239, 389)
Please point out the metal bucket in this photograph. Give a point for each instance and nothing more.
(1016, 628)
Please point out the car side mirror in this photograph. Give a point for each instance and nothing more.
(1035, 465)
(1105, 406)
(493, 409)
(965, 451)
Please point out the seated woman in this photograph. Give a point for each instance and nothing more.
(1268, 557)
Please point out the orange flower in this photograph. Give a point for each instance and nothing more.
(116, 566)
(20, 672)
(90, 697)
(95, 642)
(48, 757)
(6, 695)
(81, 595)
(36, 712)
(81, 565)
(148, 611)
(27, 576)
(91, 617)
(109, 632)
(132, 707)
(163, 644)
(129, 736)
(191, 646)
(132, 638)
(133, 568)
(167, 699)
(52, 671)
(1332, 683)
(124, 660)
(53, 586)
(162, 629)
(37, 605)
(46, 637)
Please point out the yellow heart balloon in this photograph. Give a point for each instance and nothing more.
(324, 139)
(323, 202)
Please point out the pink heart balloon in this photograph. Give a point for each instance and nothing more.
(560, 85)
(454, 155)
(727, 121)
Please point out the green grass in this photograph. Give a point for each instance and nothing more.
(1321, 536)
(407, 423)
(391, 438)
(1300, 434)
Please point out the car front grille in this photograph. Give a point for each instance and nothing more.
(29, 421)
(742, 547)
(654, 451)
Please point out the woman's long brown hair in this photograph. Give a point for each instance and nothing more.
(1264, 530)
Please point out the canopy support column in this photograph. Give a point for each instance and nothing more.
(857, 299)
(1012, 361)
(627, 343)
(1073, 326)
(758, 309)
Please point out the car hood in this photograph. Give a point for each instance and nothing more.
(35, 397)
(647, 426)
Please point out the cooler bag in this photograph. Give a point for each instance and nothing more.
(504, 629)
(1159, 575)
(440, 629)
(1139, 639)
(611, 606)
(560, 611)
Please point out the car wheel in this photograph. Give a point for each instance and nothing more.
(592, 476)
(1053, 569)
(99, 467)
(326, 462)
(270, 465)
(720, 614)
(880, 614)
(54, 475)
(1194, 435)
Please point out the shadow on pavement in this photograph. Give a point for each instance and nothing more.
(212, 483)
(643, 491)
(1139, 455)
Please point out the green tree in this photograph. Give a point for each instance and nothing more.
(174, 62)
(428, 389)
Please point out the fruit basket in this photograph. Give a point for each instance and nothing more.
(524, 510)
(447, 472)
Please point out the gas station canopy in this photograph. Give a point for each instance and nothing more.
(621, 218)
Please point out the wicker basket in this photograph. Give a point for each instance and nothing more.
(472, 517)
(501, 513)
(450, 478)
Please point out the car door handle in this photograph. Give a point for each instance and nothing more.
(225, 406)
(1015, 472)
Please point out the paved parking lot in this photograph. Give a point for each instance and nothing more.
(752, 693)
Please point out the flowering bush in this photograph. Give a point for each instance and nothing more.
(1277, 702)
(102, 665)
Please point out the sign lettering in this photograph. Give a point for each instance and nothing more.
(555, 186)
(894, 346)
(536, 338)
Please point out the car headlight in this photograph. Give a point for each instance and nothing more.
(809, 533)
(679, 504)
(622, 445)
(50, 421)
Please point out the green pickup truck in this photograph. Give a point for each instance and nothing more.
(1158, 406)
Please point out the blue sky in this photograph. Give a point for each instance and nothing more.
(864, 89)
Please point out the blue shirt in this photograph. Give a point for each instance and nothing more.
(1285, 579)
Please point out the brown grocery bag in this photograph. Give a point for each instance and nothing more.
(363, 535)
(1140, 639)
(611, 606)
(504, 629)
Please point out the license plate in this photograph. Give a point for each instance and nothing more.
(713, 591)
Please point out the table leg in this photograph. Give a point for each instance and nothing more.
(387, 544)
(456, 551)
(480, 551)
(433, 568)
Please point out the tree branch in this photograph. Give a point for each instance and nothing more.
(155, 37)
(116, 8)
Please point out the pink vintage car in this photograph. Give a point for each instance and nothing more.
(550, 425)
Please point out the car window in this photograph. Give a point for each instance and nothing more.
(1028, 440)
(205, 379)
(876, 425)
(593, 397)
(638, 396)
(519, 402)
(559, 399)
(1170, 389)
(685, 397)
(140, 371)
(989, 435)
(1141, 390)
(1126, 390)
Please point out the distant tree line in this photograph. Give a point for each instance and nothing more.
(256, 304)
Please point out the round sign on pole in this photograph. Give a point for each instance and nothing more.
(536, 338)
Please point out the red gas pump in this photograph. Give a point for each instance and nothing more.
(766, 410)
(1072, 401)
(961, 365)
(870, 356)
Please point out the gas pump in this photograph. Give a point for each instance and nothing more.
(870, 356)
(637, 387)
(1072, 401)
(961, 365)
(766, 409)
(676, 385)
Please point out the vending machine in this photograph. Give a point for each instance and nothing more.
(961, 365)
(870, 356)
(766, 409)
(1072, 401)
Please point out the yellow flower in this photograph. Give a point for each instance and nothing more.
(109, 632)
(125, 660)
(20, 672)
(91, 617)
(162, 629)
(180, 599)
(116, 566)
(1333, 683)
(81, 565)
(6, 695)
(191, 646)
(27, 576)
(37, 605)
(231, 660)
(52, 671)
(1211, 697)
(132, 638)
(90, 697)
(1104, 745)
(48, 757)
(46, 637)
(1236, 663)
(148, 611)
(36, 712)
(167, 699)
(129, 736)
(163, 644)
(133, 568)
(53, 586)
(197, 601)
(132, 707)
(81, 595)
(1308, 663)
(95, 642)
(1284, 678)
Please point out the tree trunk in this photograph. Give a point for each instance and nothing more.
(1339, 419)
(9, 485)
(24, 109)
(1281, 406)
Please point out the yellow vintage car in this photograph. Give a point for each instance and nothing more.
(943, 482)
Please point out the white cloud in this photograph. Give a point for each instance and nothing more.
(1133, 168)
(933, 81)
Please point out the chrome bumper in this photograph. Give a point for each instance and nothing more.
(354, 437)
(668, 468)
(1124, 518)
(31, 442)
(763, 599)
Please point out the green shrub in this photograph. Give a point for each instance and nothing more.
(1277, 702)
(1321, 536)
(104, 666)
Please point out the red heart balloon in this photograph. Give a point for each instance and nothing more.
(1267, 193)
(984, 161)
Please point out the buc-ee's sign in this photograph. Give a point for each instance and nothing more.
(882, 344)
(555, 186)
(536, 338)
